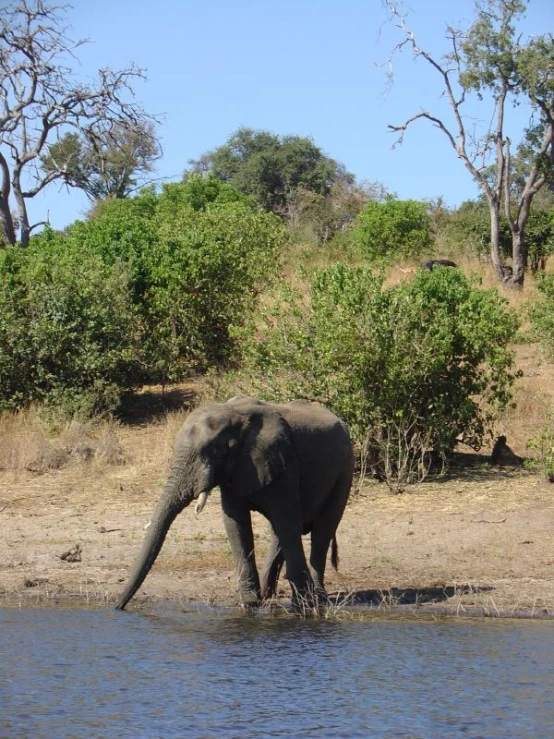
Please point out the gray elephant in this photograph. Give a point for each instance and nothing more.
(293, 463)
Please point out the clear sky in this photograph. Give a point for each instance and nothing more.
(301, 67)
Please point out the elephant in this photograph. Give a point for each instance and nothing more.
(430, 263)
(293, 463)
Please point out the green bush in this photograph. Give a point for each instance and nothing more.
(542, 448)
(394, 229)
(412, 368)
(148, 290)
(68, 330)
(541, 313)
(198, 255)
(206, 275)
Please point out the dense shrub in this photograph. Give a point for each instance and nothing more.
(541, 313)
(147, 290)
(392, 230)
(198, 254)
(542, 449)
(67, 329)
(412, 368)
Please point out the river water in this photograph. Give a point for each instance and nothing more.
(72, 673)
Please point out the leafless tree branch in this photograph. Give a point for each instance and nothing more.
(489, 61)
(41, 100)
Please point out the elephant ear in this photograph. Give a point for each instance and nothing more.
(264, 453)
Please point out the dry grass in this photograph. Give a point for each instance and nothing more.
(27, 443)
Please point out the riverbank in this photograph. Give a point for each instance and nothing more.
(476, 542)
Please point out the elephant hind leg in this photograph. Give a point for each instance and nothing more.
(272, 568)
(323, 534)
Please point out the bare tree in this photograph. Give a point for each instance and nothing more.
(490, 61)
(41, 101)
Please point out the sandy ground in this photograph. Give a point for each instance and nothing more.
(479, 542)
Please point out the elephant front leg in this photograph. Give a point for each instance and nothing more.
(238, 525)
(272, 568)
(287, 528)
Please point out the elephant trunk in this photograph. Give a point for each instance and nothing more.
(166, 511)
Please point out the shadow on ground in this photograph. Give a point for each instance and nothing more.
(407, 596)
(474, 467)
(151, 406)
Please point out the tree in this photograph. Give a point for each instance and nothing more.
(319, 218)
(490, 61)
(113, 169)
(467, 228)
(270, 168)
(197, 254)
(41, 102)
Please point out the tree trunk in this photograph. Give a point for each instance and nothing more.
(499, 268)
(6, 223)
(23, 216)
(519, 260)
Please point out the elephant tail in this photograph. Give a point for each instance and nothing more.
(335, 553)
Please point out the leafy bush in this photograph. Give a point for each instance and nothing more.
(206, 274)
(541, 313)
(394, 229)
(198, 254)
(412, 368)
(539, 238)
(147, 290)
(68, 329)
(542, 447)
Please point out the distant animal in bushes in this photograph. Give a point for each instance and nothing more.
(503, 456)
(430, 264)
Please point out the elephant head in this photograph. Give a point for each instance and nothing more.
(241, 446)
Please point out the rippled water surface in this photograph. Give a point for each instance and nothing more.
(99, 673)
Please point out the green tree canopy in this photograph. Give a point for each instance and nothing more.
(271, 168)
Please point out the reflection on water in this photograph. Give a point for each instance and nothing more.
(100, 673)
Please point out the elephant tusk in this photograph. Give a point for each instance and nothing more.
(147, 525)
(202, 498)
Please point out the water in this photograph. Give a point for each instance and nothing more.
(67, 674)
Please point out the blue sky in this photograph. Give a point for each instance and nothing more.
(301, 67)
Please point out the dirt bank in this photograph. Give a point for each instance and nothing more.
(479, 542)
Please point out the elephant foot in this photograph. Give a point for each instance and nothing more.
(309, 602)
(305, 609)
(250, 599)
